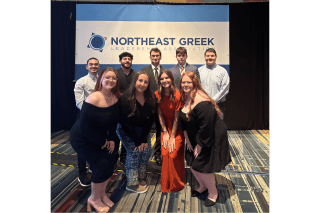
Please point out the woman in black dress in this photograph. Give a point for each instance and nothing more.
(206, 135)
(93, 136)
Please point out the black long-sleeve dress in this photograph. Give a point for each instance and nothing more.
(89, 134)
(210, 132)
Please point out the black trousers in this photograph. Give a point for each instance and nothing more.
(157, 129)
(81, 161)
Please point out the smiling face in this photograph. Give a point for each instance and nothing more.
(165, 81)
(126, 62)
(210, 58)
(109, 80)
(93, 66)
(142, 83)
(186, 84)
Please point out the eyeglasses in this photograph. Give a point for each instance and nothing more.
(186, 82)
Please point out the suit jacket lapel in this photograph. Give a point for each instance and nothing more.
(153, 84)
(177, 75)
(161, 68)
(187, 67)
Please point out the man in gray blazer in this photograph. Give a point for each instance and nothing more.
(182, 66)
(153, 72)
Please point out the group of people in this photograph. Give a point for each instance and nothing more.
(182, 105)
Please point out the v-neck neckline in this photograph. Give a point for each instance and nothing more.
(140, 103)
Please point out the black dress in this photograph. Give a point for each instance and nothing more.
(210, 132)
(89, 134)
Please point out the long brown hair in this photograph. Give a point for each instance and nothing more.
(161, 89)
(115, 90)
(148, 95)
(196, 87)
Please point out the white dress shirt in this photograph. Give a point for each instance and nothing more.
(84, 86)
(215, 81)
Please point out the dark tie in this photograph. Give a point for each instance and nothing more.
(157, 74)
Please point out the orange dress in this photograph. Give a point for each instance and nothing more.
(172, 174)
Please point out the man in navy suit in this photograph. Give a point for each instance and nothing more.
(153, 72)
(182, 66)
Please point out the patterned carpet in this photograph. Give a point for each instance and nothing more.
(243, 186)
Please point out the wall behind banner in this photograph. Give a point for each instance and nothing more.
(104, 31)
(247, 103)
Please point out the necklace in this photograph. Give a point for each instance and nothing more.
(106, 96)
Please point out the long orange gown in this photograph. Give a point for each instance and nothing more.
(172, 174)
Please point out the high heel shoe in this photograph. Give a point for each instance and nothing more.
(210, 202)
(195, 193)
(109, 204)
(97, 208)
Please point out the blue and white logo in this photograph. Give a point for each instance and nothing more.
(97, 42)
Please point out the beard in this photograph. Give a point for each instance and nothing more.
(126, 65)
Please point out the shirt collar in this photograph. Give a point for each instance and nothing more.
(212, 66)
(155, 67)
(93, 76)
(180, 66)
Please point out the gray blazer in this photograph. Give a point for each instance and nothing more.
(177, 75)
(153, 83)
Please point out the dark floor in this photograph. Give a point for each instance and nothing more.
(243, 186)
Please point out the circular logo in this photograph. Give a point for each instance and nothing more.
(96, 42)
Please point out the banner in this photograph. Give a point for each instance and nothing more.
(105, 31)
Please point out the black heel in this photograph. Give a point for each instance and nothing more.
(209, 202)
(195, 193)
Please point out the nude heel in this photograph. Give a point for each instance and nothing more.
(96, 208)
(88, 207)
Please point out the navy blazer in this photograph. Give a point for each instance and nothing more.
(153, 83)
(188, 68)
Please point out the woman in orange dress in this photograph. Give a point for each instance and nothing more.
(172, 138)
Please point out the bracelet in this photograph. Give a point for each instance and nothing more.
(165, 130)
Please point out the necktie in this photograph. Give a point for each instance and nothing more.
(157, 74)
(182, 70)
